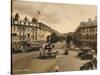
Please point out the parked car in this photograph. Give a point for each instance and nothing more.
(66, 52)
(85, 53)
(88, 65)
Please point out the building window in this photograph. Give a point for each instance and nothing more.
(28, 29)
(33, 37)
(14, 28)
(96, 29)
(28, 36)
(82, 31)
(87, 29)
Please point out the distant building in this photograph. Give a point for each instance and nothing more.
(86, 33)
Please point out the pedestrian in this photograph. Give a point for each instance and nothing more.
(57, 67)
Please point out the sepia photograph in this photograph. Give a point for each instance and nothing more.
(52, 37)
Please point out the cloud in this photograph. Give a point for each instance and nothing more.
(62, 17)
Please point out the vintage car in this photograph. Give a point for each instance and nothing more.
(66, 52)
(47, 55)
(85, 53)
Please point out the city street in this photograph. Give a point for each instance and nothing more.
(44, 41)
(29, 63)
(69, 62)
(50, 40)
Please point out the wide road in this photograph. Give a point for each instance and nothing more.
(69, 62)
(29, 63)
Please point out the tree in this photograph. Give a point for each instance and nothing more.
(68, 39)
(17, 17)
(53, 38)
(76, 41)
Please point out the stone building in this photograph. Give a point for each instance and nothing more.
(86, 34)
(29, 32)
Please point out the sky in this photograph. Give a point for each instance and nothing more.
(62, 17)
